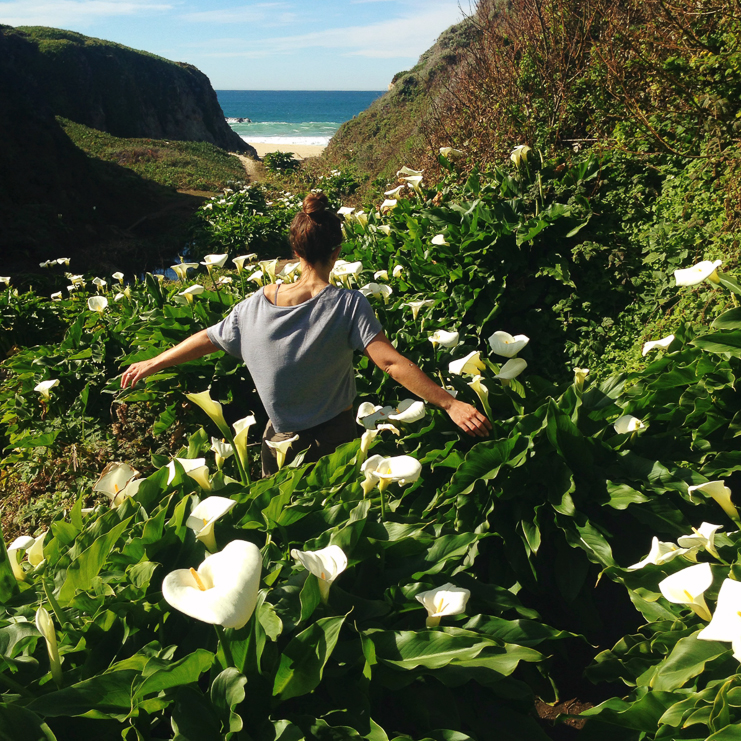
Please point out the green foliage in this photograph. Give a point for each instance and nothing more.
(280, 162)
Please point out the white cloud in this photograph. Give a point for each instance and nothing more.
(406, 37)
(67, 13)
(265, 13)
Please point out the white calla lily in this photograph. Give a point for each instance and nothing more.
(97, 303)
(376, 289)
(381, 275)
(511, 369)
(415, 181)
(389, 204)
(22, 543)
(35, 552)
(204, 515)
(444, 339)
(222, 450)
(471, 365)
(395, 193)
(402, 469)
(45, 626)
(504, 344)
(281, 448)
(450, 153)
(5, 279)
(56, 296)
(242, 259)
(726, 622)
(580, 375)
(188, 293)
(519, 154)
(687, 586)
(408, 172)
(257, 277)
(628, 423)
(346, 210)
(662, 553)
(114, 479)
(269, 267)
(195, 468)
(368, 469)
(385, 229)
(408, 411)
(702, 537)
(415, 306)
(721, 494)
(326, 564)
(214, 261)
(398, 271)
(212, 408)
(241, 430)
(481, 391)
(705, 270)
(445, 600)
(439, 240)
(45, 387)
(663, 343)
(119, 276)
(99, 283)
(223, 591)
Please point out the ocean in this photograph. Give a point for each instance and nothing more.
(292, 116)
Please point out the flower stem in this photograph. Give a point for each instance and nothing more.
(225, 647)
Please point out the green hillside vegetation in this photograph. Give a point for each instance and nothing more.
(175, 164)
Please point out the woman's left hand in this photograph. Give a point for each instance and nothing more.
(469, 419)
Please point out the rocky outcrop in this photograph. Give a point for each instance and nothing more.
(115, 89)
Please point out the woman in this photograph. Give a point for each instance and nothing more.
(297, 341)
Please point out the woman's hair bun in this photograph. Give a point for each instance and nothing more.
(315, 203)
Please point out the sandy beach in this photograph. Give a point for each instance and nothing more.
(301, 151)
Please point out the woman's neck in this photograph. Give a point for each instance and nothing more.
(314, 276)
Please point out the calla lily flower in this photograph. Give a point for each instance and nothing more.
(114, 478)
(370, 435)
(56, 296)
(212, 408)
(439, 240)
(99, 282)
(402, 469)
(119, 276)
(289, 269)
(519, 154)
(45, 626)
(662, 553)
(326, 564)
(481, 391)
(398, 271)
(22, 543)
(726, 623)
(687, 586)
(45, 387)
(269, 267)
(627, 424)
(190, 291)
(504, 344)
(181, 269)
(389, 204)
(471, 365)
(196, 468)
(281, 448)
(225, 280)
(223, 591)
(346, 210)
(97, 303)
(705, 270)
(450, 153)
(241, 430)
(580, 375)
(415, 306)
(222, 449)
(702, 537)
(35, 552)
(386, 229)
(374, 289)
(257, 277)
(362, 218)
(63, 261)
(407, 171)
(663, 343)
(240, 261)
(214, 261)
(396, 191)
(415, 181)
(119, 297)
(445, 600)
(381, 275)
(444, 339)
(511, 369)
(76, 280)
(5, 279)
(203, 517)
(721, 494)
(408, 411)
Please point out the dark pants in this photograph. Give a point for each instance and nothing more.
(320, 440)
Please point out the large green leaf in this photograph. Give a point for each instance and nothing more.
(687, 659)
(227, 691)
(483, 462)
(20, 724)
(304, 658)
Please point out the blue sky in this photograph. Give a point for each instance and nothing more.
(318, 45)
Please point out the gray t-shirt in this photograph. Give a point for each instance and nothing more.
(300, 357)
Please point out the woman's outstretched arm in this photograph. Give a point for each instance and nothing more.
(409, 375)
(196, 346)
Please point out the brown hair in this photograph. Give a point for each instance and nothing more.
(316, 232)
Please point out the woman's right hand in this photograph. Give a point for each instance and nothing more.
(469, 419)
(137, 371)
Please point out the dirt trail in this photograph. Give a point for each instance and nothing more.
(251, 167)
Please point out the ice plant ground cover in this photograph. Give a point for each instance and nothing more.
(545, 527)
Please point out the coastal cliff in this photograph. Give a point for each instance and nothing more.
(118, 90)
